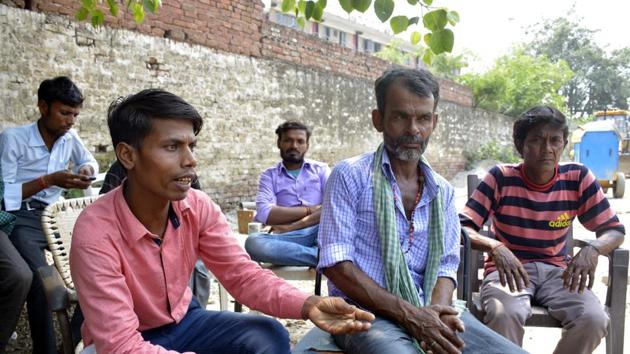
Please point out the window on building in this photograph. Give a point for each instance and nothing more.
(285, 20)
(368, 46)
(343, 39)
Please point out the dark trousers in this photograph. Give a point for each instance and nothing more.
(15, 281)
(29, 240)
(204, 332)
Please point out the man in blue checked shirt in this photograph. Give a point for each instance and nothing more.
(38, 161)
(390, 234)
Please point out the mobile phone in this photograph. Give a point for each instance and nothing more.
(91, 178)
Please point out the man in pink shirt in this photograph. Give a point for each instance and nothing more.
(134, 248)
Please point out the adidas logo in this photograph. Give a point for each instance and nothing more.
(564, 220)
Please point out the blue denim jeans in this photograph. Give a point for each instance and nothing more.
(294, 248)
(204, 332)
(385, 337)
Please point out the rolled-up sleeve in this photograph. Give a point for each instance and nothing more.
(266, 197)
(338, 219)
(452, 238)
(81, 156)
(8, 158)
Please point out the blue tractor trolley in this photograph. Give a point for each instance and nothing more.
(597, 146)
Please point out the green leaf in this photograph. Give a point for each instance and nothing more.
(428, 56)
(82, 14)
(428, 2)
(383, 9)
(152, 5)
(346, 5)
(287, 5)
(113, 7)
(412, 2)
(453, 17)
(308, 11)
(89, 4)
(318, 12)
(98, 17)
(301, 22)
(361, 5)
(441, 41)
(414, 20)
(427, 38)
(138, 12)
(301, 6)
(415, 37)
(322, 3)
(399, 24)
(435, 20)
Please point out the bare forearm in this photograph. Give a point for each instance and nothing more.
(480, 242)
(608, 241)
(286, 215)
(443, 292)
(33, 187)
(365, 292)
(306, 221)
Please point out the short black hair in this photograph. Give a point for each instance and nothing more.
(534, 117)
(130, 118)
(292, 125)
(419, 81)
(61, 89)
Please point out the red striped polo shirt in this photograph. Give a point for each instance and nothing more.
(533, 220)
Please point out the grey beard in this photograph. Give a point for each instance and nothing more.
(400, 153)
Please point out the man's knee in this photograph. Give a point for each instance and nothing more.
(256, 246)
(18, 280)
(383, 337)
(499, 310)
(594, 320)
(266, 335)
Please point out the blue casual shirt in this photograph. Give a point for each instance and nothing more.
(278, 188)
(25, 157)
(348, 229)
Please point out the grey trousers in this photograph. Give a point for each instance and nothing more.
(584, 320)
(15, 281)
(29, 240)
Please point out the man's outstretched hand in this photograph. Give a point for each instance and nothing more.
(334, 315)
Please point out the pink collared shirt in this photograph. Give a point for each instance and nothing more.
(127, 283)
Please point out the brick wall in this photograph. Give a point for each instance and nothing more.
(229, 25)
(242, 98)
(240, 27)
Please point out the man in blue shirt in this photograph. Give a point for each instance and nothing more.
(39, 160)
(289, 200)
(390, 235)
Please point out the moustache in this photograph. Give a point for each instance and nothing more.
(410, 139)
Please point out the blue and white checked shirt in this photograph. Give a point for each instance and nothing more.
(25, 157)
(348, 230)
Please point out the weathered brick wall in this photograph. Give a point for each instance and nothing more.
(228, 25)
(240, 26)
(242, 98)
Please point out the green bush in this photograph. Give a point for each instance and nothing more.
(491, 151)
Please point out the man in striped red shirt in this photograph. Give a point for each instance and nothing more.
(532, 206)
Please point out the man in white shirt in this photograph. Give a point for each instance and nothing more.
(39, 160)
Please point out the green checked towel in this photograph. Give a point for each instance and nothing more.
(397, 276)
